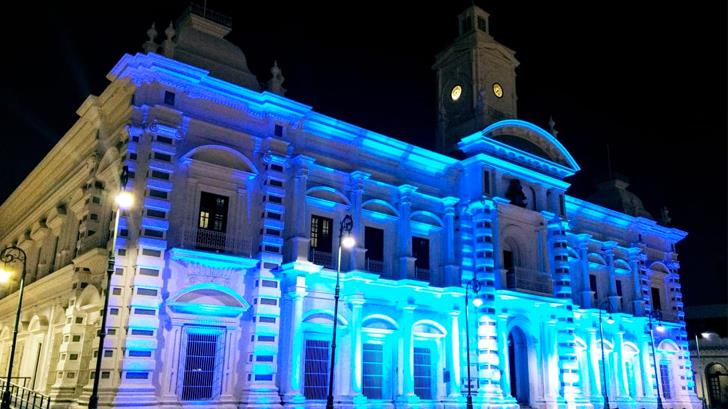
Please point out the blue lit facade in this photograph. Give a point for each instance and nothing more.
(223, 292)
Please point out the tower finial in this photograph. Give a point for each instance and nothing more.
(275, 84)
(168, 45)
(552, 126)
(150, 46)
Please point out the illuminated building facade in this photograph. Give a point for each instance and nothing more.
(223, 288)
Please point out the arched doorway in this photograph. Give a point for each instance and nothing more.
(716, 376)
(518, 365)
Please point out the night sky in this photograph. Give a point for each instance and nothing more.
(650, 83)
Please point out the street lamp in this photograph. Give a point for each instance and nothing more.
(477, 302)
(124, 200)
(346, 241)
(9, 255)
(657, 315)
(705, 335)
(610, 320)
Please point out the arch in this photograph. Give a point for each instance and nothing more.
(379, 321)
(668, 345)
(630, 348)
(380, 206)
(209, 299)
(579, 342)
(596, 260)
(38, 323)
(424, 215)
(88, 299)
(222, 156)
(573, 254)
(532, 139)
(622, 266)
(315, 316)
(518, 370)
(329, 194)
(425, 329)
(660, 267)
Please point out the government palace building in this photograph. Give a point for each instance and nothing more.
(471, 262)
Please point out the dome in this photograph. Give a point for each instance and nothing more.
(613, 194)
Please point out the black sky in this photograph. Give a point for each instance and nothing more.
(648, 81)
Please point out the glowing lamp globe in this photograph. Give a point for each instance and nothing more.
(124, 200)
(5, 276)
(347, 242)
(660, 327)
(610, 320)
(477, 302)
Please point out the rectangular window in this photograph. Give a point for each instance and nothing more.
(164, 139)
(154, 233)
(316, 370)
(619, 287)
(374, 243)
(593, 285)
(202, 363)
(421, 253)
(665, 381)
(278, 130)
(213, 212)
(169, 98)
(140, 353)
(486, 183)
(423, 373)
(151, 252)
(321, 233)
(159, 194)
(267, 320)
(143, 332)
(148, 272)
(156, 213)
(656, 302)
(137, 375)
(144, 311)
(373, 370)
(160, 175)
(147, 291)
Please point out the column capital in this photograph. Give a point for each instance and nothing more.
(449, 203)
(454, 313)
(357, 300)
(406, 191)
(608, 247)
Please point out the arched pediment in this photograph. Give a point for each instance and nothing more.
(426, 217)
(428, 329)
(209, 299)
(323, 317)
(661, 267)
(380, 206)
(379, 322)
(668, 345)
(222, 156)
(520, 141)
(595, 260)
(328, 194)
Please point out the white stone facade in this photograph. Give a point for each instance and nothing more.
(223, 288)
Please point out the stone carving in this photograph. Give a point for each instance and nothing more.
(168, 46)
(275, 84)
(150, 46)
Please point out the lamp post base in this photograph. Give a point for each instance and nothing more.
(6, 400)
(469, 402)
(330, 402)
(93, 402)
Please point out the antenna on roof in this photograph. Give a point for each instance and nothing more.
(609, 163)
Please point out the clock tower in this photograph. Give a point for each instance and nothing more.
(476, 81)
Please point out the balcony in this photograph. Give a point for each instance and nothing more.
(530, 281)
(322, 258)
(215, 242)
(375, 266)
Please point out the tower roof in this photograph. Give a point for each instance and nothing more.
(613, 194)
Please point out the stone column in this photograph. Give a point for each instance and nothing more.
(619, 372)
(299, 241)
(404, 234)
(503, 363)
(638, 308)
(405, 334)
(357, 302)
(450, 270)
(358, 253)
(647, 369)
(550, 357)
(592, 363)
(587, 295)
(295, 347)
(454, 354)
(608, 251)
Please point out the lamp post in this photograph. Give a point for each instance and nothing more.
(605, 393)
(124, 200)
(702, 382)
(9, 255)
(477, 302)
(347, 241)
(657, 315)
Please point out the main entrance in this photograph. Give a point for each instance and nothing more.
(518, 365)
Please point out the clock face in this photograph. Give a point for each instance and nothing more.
(497, 90)
(456, 92)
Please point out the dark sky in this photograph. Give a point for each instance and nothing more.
(650, 82)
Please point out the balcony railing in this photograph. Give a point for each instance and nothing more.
(24, 398)
(322, 258)
(422, 274)
(375, 266)
(528, 280)
(215, 241)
